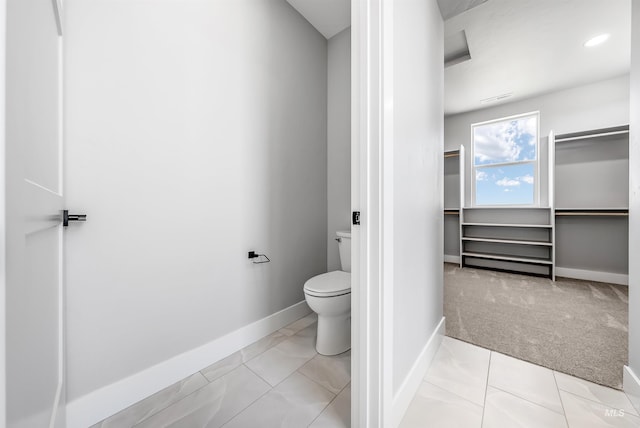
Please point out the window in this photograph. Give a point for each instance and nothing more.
(505, 161)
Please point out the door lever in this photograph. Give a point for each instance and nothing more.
(66, 217)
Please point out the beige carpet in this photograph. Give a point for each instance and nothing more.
(572, 326)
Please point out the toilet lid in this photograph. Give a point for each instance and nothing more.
(329, 284)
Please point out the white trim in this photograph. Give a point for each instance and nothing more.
(372, 186)
(102, 403)
(593, 275)
(551, 197)
(358, 240)
(3, 223)
(631, 386)
(463, 186)
(414, 378)
(451, 259)
(504, 119)
(587, 275)
(386, 207)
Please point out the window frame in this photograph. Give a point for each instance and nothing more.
(535, 162)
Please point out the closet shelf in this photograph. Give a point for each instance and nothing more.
(490, 256)
(592, 214)
(597, 133)
(585, 212)
(526, 226)
(592, 209)
(507, 208)
(507, 241)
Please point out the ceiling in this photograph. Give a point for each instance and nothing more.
(329, 17)
(516, 48)
(532, 47)
(450, 8)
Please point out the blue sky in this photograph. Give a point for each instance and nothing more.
(501, 142)
(500, 185)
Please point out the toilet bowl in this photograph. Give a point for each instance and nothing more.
(329, 295)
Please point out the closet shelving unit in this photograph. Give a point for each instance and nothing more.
(582, 225)
(451, 204)
(508, 238)
(517, 239)
(591, 186)
(591, 172)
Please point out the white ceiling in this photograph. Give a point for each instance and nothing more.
(449, 8)
(329, 17)
(531, 47)
(523, 47)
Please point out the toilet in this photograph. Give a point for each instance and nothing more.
(329, 295)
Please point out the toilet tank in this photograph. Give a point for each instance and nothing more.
(344, 246)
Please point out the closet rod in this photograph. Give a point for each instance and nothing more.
(584, 137)
(587, 213)
(451, 155)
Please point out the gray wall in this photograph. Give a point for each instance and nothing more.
(196, 131)
(418, 180)
(338, 141)
(634, 197)
(597, 105)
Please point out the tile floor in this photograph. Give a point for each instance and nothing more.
(468, 386)
(279, 381)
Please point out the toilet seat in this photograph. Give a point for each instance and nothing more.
(330, 284)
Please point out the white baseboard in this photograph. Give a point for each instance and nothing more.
(592, 275)
(451, 259)
(631, 386)
(412, 382)
(102, 403)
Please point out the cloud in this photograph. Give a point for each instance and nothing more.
(506, 181)
(481, 176)
(527, 179)
(505, 141)
(507, 190)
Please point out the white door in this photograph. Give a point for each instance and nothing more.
(34, 200)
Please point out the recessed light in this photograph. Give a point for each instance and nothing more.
(597, 40)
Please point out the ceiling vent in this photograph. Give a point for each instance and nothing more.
(496, 98)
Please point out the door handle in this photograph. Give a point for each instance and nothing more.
(66, 217)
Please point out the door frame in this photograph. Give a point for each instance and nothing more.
(3, 199)
(372, 195)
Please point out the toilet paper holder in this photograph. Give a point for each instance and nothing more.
(254, 255)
